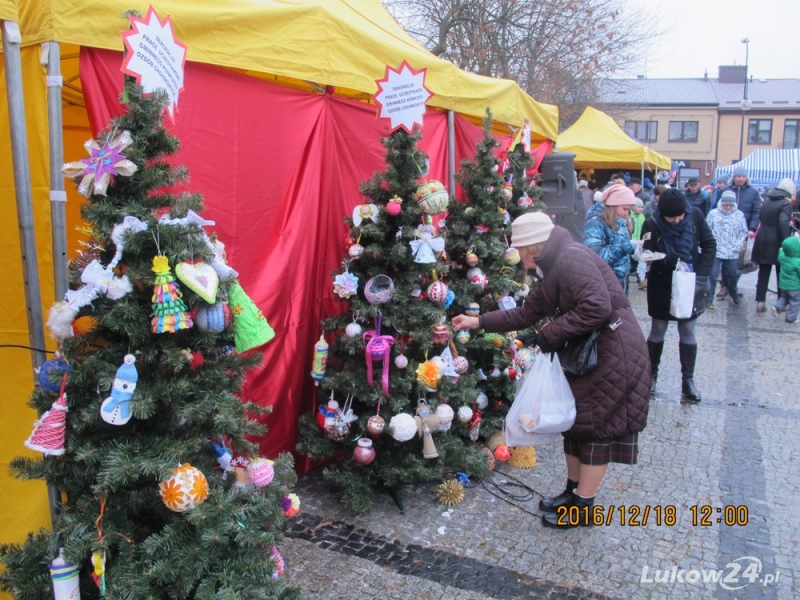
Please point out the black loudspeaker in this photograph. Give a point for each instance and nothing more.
(559, 182)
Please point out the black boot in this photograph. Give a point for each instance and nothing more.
(552, 504)
(655, 349)
(578, 513)
(688, 354)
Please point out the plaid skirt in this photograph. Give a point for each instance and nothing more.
(623, 449)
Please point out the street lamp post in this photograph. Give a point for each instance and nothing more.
(745, 101)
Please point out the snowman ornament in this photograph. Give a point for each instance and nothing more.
(115, 409)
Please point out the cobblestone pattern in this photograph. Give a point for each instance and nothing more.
(739, 446)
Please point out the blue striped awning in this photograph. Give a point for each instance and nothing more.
(767, 167)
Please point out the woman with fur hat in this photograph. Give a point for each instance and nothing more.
(775, 216)
(607, 233)
(581, 294)
(680, 232)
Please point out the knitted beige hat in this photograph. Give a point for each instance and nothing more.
(787, 185)
(530, 228)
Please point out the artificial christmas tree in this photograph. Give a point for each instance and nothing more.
(146, 510)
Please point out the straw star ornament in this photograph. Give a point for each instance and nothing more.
(102, 163)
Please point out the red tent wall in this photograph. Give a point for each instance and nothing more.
(279, 170)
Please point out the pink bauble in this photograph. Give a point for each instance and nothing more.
(364, 453)
(437, 292)
(394, 208)
(260, 472)
(460, 364)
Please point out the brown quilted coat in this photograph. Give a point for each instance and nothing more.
(612, 400)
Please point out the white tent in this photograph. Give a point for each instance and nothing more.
(767, 167)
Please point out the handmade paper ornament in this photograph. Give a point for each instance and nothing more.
(482, 401)
(186, 488)
(355, 251)
(104, 162)
(490, 460)
(432, 197)
(524, 201)
(441, 334)
(450, 493)
(224, 457)
(337, 427)
(251, 327)
(353, 330)
(364, 212)
(169, 310)
(119, 234)
(290, 505)
(477, 277)
(474, 425)
(99, 570)
(115, 409)
(429, 375)
(260, 472)
(345, 284)
(394, 206)
(378, 348)
(364, 453)
(400, 361)
(65, 577)
(511, 256)
(239, 465)
(213, 317)
(472, 309)
(427, 422)
(427, 245)
(463, 336)
(445, 413)
(320, 361)
(375, 426)
(379, 289)
(508, 190)
(464, 413)
(471, 258)
(200, 277)
(525, 358)
(506, 216)
(506, 303)
(51, 374)
(49, 430)
(403, 427)
(326, 411)
(437, 292)
(276, 558)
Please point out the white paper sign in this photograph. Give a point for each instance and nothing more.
(402, 96)
(154, 57)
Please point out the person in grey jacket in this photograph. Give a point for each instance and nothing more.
(748, 200)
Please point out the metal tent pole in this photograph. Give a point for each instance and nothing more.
(58, 197)
(451, 151)
(22, 187)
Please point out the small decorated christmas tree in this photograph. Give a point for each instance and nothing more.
(163, 496)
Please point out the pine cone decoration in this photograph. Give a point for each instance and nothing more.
(450, 493)
(522, 457)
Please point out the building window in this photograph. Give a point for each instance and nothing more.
(760, 131)
(791, 133)
(644, 131)
(683, 131)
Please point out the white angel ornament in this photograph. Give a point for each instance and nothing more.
(427, 246)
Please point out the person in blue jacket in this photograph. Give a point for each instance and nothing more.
(748, 200)
(608, 235)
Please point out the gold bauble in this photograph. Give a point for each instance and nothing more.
(450, 493)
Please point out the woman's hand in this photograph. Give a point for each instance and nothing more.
(464, 322)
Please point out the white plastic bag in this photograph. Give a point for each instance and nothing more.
(543, 405)
(748, 250)
(682, 300)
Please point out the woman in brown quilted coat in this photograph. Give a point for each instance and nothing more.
(581, 293)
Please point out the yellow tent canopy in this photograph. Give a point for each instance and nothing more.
(599, 143)
(305, 44)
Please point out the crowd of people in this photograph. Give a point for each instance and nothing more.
(585, 260)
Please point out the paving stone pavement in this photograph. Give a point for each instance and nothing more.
(737, 448)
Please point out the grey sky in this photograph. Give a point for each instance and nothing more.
(702, 34)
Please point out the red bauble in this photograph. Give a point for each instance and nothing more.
(512, 373)
(437, 292)
(198, 360)
(364, 453)
(501, 453)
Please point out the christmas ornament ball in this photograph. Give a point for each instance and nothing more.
(471, 259)
(511, 256)
(212, 317)
(400, 361)
(375, 425)
(473, 309)
(353, 330)
(355, 251)
(437, 292)
(441, 334)
(186, 488)
(501, 453)
(460, 364)
(432, 197)
(403, 427)
(364, 453)
(445, 414)
(482, 401)
(463, 336)
(511, 372)
(51, 373)
(525, 357)
(525, 201)
(489, 458)
(464, 413)
(260, 472)
(394, 208)
(450, 493)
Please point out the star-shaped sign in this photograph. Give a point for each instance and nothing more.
(154, 57)
(402, 96)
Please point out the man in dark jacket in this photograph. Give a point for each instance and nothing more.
(636, 188)
(748, 199)
(696, 197)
